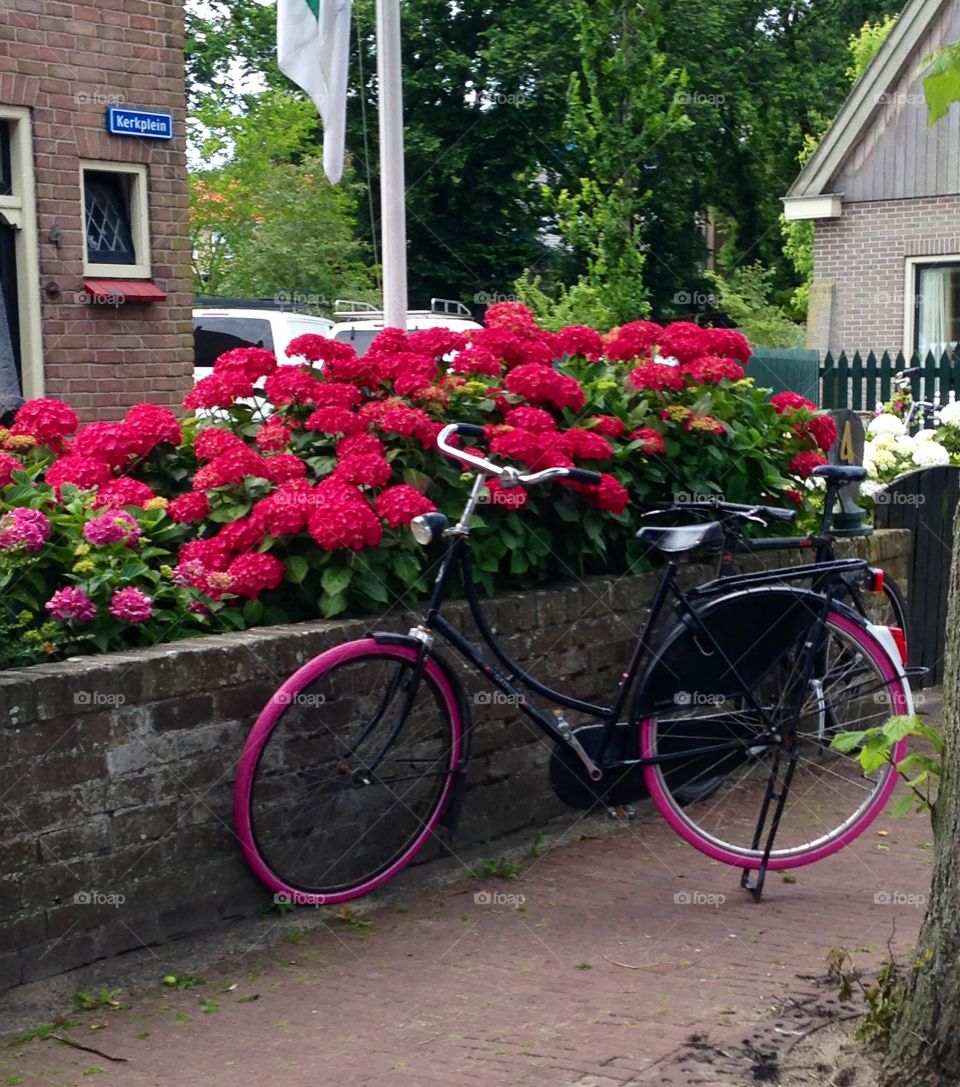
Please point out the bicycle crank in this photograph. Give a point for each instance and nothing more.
(569, 736)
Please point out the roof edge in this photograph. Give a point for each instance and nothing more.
(864, 98)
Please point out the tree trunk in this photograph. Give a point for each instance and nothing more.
(925, 1044)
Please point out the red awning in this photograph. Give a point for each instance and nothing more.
(111, 291)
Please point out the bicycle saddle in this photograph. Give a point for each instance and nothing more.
(677, 539)
(840, 473)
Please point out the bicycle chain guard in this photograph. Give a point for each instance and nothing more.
(620, 785)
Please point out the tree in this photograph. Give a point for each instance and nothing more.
(925, 1039)
(483, 108)
(761, 76)
(485, 105)
(744, 296)
(266, 222)
(625, 103)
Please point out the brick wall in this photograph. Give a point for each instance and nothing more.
(118, 770)
(862, 255)
(67, 62)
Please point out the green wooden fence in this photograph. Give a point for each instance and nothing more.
(864, 383)
(780, 369)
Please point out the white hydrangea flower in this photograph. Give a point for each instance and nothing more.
(869, 487)
(925, 436)
(929, 454)
(887, 439)
(885, 424)
(905, 445)
(885, 459)
(950, 413)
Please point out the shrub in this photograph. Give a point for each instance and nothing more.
(289, 495)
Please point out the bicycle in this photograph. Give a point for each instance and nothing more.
(883, 602)
(724, 716)
(902, 384)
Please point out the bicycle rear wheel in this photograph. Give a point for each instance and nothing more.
(714, 801)
(338, 788)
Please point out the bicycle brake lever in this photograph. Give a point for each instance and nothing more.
(755, 518)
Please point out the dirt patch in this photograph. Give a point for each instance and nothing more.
(811, 1043)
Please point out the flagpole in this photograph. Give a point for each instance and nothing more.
(393, 218)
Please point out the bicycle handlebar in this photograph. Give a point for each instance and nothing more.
(772, 513)
(471, 430)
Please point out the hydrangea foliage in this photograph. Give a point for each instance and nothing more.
(288, 494)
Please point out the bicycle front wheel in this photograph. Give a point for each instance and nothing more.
(715, 801)
(347, 772)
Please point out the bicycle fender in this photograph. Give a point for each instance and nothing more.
(885, 638)
(451, 814)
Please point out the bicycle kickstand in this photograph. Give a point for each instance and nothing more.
(756, 887)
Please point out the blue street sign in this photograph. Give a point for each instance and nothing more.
(138, 122)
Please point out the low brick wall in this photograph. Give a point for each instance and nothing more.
(116, 772)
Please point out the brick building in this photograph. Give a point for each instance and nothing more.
(884, 190)
(95, 290)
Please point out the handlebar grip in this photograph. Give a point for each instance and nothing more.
(777, 513)
(470, 430)
(581, 475)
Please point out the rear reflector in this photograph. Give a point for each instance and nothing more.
(874, 579)
(901, 641)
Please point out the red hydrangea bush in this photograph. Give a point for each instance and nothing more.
(289, 493)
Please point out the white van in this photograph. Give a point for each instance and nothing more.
(357, 323)
(220, 328)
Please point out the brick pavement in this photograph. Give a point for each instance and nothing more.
(593, 982)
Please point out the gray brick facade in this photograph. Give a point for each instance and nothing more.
(860, 261)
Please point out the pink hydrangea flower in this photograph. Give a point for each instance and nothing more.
(113, 526)
(23, 527)
(131, 606)
(71, 603)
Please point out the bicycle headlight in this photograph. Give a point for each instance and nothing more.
(428, 527)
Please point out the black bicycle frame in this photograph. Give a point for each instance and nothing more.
(459, 556)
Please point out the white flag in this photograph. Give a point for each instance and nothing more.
(313, 49)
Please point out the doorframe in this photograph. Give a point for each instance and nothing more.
(20, 212)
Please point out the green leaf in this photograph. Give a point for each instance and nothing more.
(874, 754)
(297, 568)
(903, 805)
(941, 84)
(567, 510)
(336, 579)
(226, 514)
(371, 585)
(252, 612)
(847, 741)
(332, 605)
(898, 727)
(417, 479)
(594, 529)
(518, 563)
(406, 567)
(232, 617)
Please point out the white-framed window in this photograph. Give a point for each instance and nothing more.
(21, 353)
(116, 220)
(932, 305)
